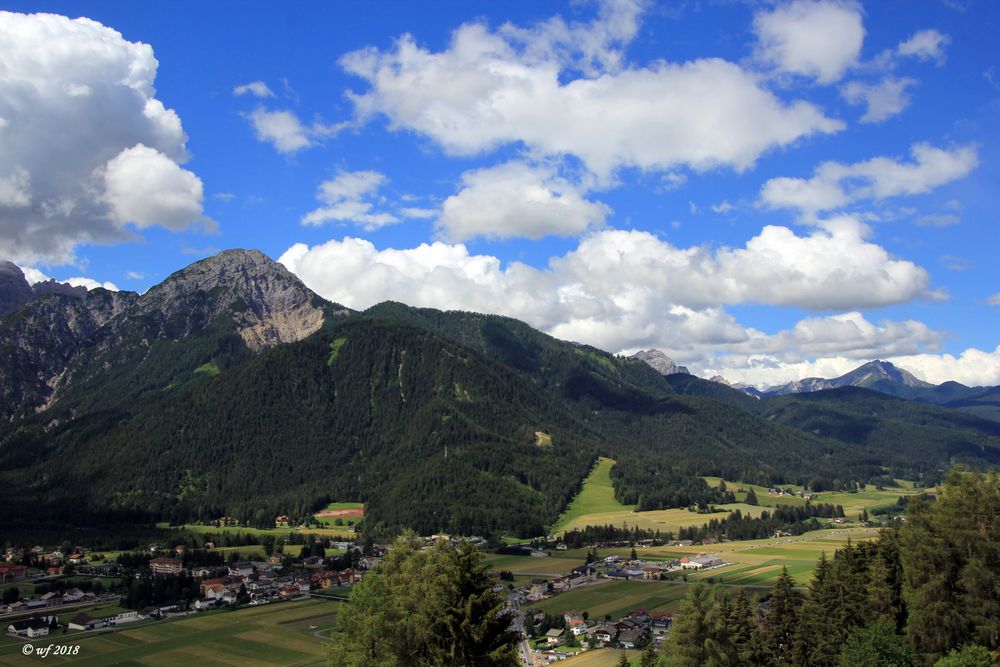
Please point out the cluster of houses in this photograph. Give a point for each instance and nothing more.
(652, 570)
(264, 581)
(776, 491)
(636, 629)
(47, 601)
(612, 567)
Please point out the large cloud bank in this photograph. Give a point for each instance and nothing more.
(86, 148)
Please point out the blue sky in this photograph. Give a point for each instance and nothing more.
(762, 190)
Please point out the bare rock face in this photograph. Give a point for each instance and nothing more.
(15, 290)
(268, 304)
(660, 362)
(41, 339)
(70, 338)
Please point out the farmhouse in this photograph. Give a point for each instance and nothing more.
(660, 622)
(554, 637)
(31, 628)
(12, 572)
(630, 638)
(701, 562)
(605, 634)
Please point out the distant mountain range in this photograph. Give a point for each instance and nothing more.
(880, 376)
(232, 389)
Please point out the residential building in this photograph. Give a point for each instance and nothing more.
(165, 565)
(30, 628)
(12, 572)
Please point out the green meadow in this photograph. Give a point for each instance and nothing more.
(853, 502)
(596, 505)
(276, 634)
(603, 657)
(616, 598)
(596, 497)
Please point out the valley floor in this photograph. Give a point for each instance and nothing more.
(287, 633)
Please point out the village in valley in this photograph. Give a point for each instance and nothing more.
(565, 597)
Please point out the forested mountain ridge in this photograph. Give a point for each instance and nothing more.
(100, 347)
(428, 432)
(243, 393)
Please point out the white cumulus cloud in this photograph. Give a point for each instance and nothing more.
(282, 129)
(74, 96)
(346, 198)
(925, 45)
(144, 187)
(813, 38)
(255, 88)
(624, 289)
(563, 89)
(835, 185)
(516, 199)
(882, 100)
(33, 275)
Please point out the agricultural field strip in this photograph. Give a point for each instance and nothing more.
(604, 657)
(274, 626)
(276, 532)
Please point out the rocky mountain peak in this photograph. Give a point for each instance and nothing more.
(659, 361)
(877, 371)
(267, 302)
(15, 291)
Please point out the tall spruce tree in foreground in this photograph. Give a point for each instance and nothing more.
(951, 562)
(815, 635)
(432, 608)
(778, 631)
(686, 646)
(712, 630)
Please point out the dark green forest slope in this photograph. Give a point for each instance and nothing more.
(189, 403)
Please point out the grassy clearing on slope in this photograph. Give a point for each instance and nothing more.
(595, 505)
(597, 496)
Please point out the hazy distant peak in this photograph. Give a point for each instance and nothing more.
(659, 361)
(867, 375)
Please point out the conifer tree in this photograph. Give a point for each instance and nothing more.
(815, 641)
(690, 630)
(433, 607)
(778, 631)
(876, 645)
(950, 554)
(649, 658)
